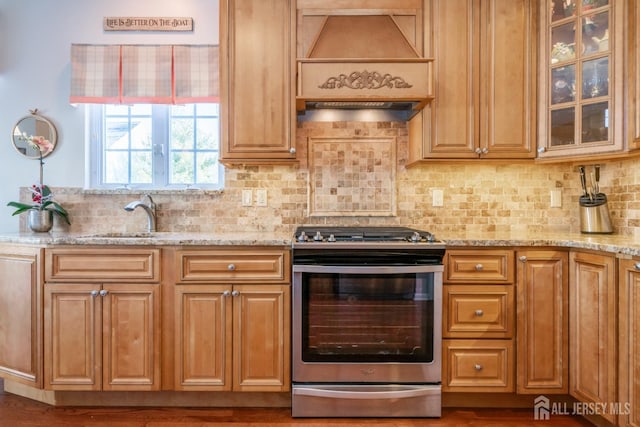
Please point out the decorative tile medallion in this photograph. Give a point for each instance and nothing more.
(352, 176)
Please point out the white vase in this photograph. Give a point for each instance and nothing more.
(40, 221)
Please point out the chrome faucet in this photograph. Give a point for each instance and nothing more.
(149, 208)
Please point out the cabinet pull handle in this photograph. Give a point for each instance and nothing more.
(231, 267)
(226, 293)
(479, 267)
(94, 293)
(235, 293)
(523, 258)
(103, 293)
(637, 266)
(477, 367)
(479, 313)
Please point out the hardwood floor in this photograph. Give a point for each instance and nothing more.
(16, 411)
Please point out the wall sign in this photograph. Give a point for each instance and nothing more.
(129, 23)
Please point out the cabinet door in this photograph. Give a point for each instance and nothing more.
(72, 337)
(203, 337)
(131, 337)
(507, 110)
(257, 80)
(20, 315)
(485, 88)
(543, 322)
(261, 331)
(633, 18)
(629, 339)
(593, 334)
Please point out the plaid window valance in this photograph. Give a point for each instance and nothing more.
(160, 74)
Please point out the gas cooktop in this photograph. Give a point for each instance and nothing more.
(373, 236)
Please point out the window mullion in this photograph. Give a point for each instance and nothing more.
(160, 138)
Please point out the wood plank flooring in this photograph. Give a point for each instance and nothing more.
(16, 411)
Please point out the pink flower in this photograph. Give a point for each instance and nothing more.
(44, 145)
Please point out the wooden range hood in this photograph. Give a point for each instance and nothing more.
(362, 59)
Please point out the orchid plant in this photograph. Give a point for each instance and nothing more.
(41, 195)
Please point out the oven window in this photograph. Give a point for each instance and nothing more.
(367, 318)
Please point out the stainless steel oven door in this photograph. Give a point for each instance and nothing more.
(367, 324)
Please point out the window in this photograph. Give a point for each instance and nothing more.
(154, 146)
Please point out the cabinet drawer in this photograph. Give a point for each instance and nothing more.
(478, 311)
(478, 365)
(102, 265)
(479, 266)
(230, 265)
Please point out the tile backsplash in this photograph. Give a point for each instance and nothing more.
(478, 196)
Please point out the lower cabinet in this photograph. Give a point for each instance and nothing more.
(101, 337)
(629, 342)
(593, 333)
(543, 321)
(232, 337)
(21, 314)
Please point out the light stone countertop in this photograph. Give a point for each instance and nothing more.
(611, 243)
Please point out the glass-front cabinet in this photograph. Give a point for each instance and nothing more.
(582, 99)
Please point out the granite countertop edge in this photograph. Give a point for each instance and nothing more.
(611, 243)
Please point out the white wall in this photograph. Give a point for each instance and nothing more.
(35, 39)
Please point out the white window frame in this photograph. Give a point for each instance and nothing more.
(94, 122)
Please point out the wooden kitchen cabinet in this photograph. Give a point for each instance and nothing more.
(257, 81)
(233, 329)
(102, 337)
(629, 342)
(478, 321)
(101, 326)
(593, 333)
(543, 322)
(485, 84)
(21, 314)
(588, 79)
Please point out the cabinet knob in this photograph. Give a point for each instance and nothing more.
(235, 293)
(226, 293)
(477, 367)
(94, 293)
(542, 149)
(523, 258)
(292, 150)
(479, 313)
(637, 266)
(103, 293)
(479, 267)
(485, 150)
(231, 267)
(478, 151)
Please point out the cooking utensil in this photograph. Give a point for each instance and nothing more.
(583, 181)
(597, 173)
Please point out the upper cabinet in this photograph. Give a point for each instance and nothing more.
(587, 52)
(257, 77)
(484, 103)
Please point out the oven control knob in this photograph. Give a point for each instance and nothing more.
(331, 238)
(416, 237)
(302, 237)
(317, 237)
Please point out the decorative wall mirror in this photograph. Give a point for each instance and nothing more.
(34, 136)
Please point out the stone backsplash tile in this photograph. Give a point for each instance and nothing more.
(478, 196)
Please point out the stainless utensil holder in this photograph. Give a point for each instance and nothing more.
(594, 215)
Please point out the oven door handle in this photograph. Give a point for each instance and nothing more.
(368, 269)
(350, 394)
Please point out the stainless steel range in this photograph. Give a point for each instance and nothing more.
(367, 327)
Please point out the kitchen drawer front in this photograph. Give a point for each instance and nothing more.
(478, 311)
(478, 366)
(479, 266)
(234, 265)
(102, 265)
